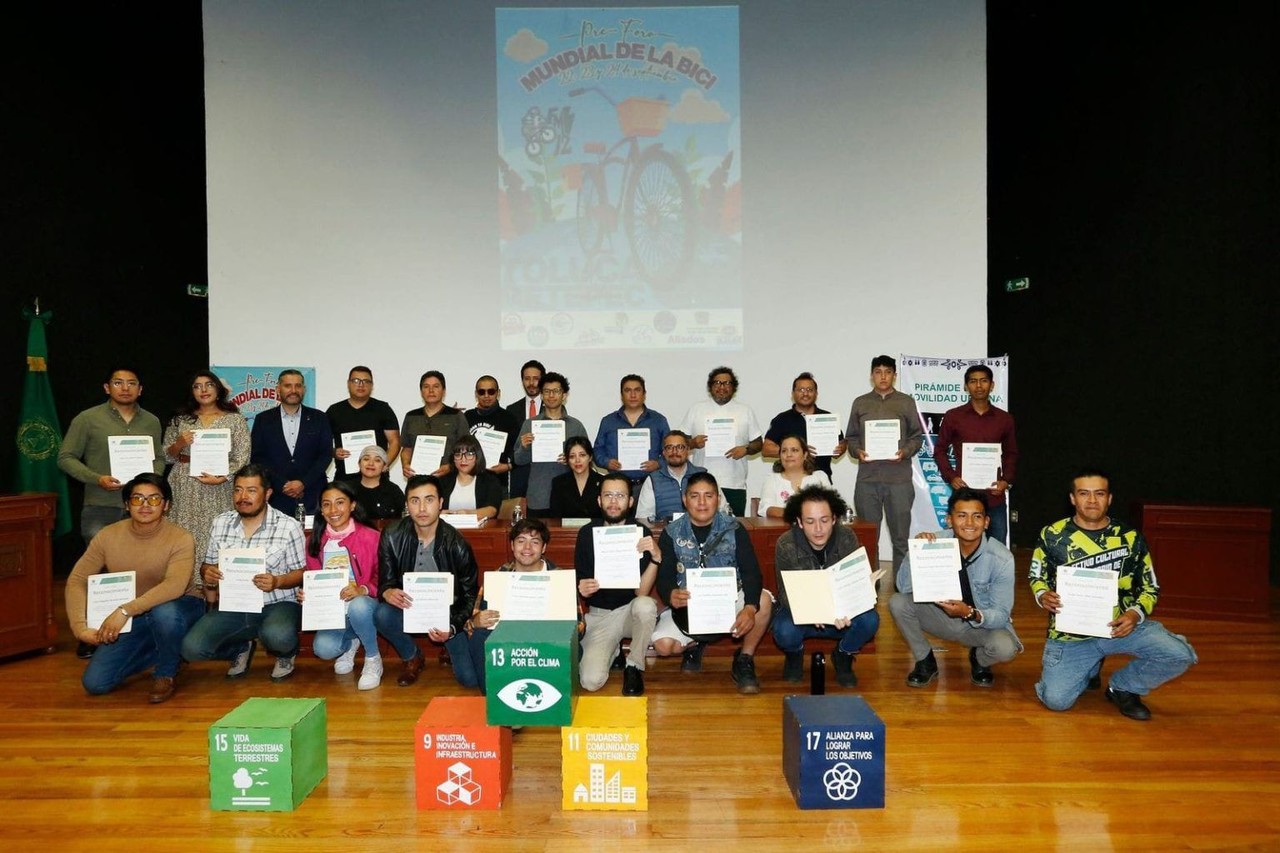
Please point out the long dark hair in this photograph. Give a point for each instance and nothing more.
(319, 525)
(189, 407)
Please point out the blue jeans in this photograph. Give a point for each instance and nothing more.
(390, 622)
(467, 654)
(222, 636)
(1158, 656)
(790, 637)
(332, 642)
(94, 518)
(998, 529)
(154, 640)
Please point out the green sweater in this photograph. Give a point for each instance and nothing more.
(85, 454)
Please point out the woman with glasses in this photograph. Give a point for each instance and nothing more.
(198, 496)
(469, 486)
(576, 493)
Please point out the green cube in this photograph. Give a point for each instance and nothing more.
(531, 670)
(267, 755)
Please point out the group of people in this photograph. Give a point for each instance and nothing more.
(176, 528)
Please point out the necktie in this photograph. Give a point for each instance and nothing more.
(533, 409)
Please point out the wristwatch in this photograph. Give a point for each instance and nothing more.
(125, 612)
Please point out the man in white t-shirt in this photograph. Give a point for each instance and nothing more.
(708, 417)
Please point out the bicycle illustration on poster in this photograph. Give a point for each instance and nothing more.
(619, 178)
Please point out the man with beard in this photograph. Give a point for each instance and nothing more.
(294, 444)
(616, 613)
(730, 466)
(253, 524)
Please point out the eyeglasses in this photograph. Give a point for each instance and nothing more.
(357, 381)
(149, 500)
(721, 383)
(666, 448)
(486, 392)
(464, 454)
(203, 386)
(621, 496)
(556, 392)
(124, 383)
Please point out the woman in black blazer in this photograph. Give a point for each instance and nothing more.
(576, 493)
(470, 486)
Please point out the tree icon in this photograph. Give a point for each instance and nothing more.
(242, 780)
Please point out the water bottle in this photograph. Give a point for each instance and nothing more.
(301, 513)
(517, 512)
(818, 674)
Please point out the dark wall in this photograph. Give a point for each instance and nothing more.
(1132, 177)
(104, 204)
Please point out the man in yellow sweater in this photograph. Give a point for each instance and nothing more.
(146, 631)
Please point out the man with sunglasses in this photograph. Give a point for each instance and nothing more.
(489, 414)
(361, 411)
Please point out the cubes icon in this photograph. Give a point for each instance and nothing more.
(460, 762)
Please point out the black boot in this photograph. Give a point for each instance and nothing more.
(926, 670)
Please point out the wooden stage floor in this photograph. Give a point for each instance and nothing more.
(967, 768)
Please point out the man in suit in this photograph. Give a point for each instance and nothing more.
(527, 407)
(294, 443)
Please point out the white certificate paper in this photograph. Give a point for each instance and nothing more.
(980, 464)
(1089, 598)
(130, 456)
(548, 440)
(322, 606)
(236, 592)
(617, 560)
(428, 450)
(354, 442)
(935, 569)
(107, 591)
(493, 443)
(210, 453)
(713, 599)
(823, 432)
(533, 596)
(722, 434)
(432, 594)
(880, 439)
(841, 591)
(633, 448)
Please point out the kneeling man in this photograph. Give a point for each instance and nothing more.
(1092, 539)
(705, 538)
(817, 539)
(980, 620)
(616, 613)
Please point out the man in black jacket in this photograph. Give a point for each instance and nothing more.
(421, 542)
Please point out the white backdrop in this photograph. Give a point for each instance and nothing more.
(352, 199)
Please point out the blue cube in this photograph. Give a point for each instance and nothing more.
(833, 752)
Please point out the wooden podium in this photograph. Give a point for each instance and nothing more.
(26, 565)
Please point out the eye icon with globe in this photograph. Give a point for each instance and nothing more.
(529, 695)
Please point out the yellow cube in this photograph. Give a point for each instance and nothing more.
(605, 755)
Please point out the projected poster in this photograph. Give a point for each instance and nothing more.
(619, 178)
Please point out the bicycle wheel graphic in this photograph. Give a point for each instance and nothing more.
(595, 216)
(659, 217)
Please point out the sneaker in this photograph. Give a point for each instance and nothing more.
(692, 659)
(162, 689)
(743, 673)
(926, 670)
(793, 667)
(1129, 704)
(346, 661)
(240, 663)
(979, 675)
(842, 663)
(283, 668)
(371, 675)
(632, 682)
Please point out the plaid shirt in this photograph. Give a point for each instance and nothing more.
(281, 537)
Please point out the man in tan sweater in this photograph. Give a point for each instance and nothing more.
(147, 631)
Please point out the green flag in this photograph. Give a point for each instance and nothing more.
(39, 435)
